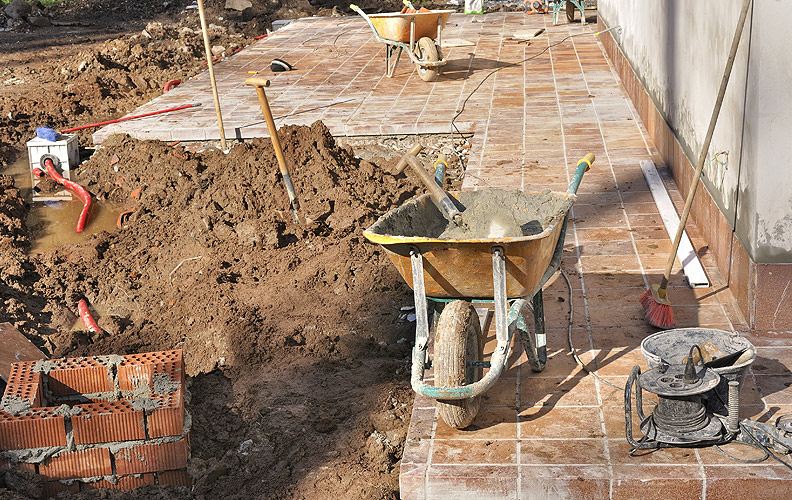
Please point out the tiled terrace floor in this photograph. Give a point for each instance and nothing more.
(559, 433)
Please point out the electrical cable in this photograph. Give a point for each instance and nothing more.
(508, 65)
(569, 339)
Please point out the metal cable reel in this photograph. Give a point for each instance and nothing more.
(680, 417)
(683, 416)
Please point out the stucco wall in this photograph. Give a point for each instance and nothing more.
(678, 49)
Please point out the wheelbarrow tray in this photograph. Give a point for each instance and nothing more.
(463, 268)
(395, 26)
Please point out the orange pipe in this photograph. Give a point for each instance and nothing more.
(85, 315)
(81, 192)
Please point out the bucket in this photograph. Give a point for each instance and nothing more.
(673, 346)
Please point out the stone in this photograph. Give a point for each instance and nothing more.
(18, 9)
(239, 5)
(39, 21)
(217, 50)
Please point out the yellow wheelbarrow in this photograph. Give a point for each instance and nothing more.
(452, 274)
(419, 33)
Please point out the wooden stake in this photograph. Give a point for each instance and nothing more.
(211, 74)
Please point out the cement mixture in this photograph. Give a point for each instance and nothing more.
(486, 214)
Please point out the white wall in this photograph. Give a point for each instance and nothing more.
(678, 49)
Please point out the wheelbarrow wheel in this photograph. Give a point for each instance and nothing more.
(426, 50)
(458, 343)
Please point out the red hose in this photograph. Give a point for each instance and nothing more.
(130, 118)
(171, 83)
(259, 37)
(85, 315)
(81, 192)
(38, 172)
(221, 55)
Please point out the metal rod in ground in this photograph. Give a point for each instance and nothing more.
(211, 74)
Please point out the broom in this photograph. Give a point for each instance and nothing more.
(655, 300)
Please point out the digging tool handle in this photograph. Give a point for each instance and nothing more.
(417, 148)
(583, 166)
(439, 196)
(706, 145)
(260, 83)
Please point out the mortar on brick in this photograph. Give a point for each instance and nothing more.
(164, 384)
(16, 405)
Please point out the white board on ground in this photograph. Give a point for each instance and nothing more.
(694, 272)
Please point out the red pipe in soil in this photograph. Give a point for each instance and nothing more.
(171, 84)
(130, 118)
(259, 37)
(85, 315)
(81, 192)
(221, 56)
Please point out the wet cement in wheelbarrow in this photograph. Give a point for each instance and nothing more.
(492, 213)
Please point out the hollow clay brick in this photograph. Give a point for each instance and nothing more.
(77, 464)
(174, 478)
(22, 466)
(131, 377)
(106, 422)
(122, 482)
(152, 457)
(41, 429)
(30, 392)
(73, 379)
(168, 419)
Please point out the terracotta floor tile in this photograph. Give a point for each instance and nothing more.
(490, 423)
(620, 455)
(619, 361)
(772, 361)
(548, 422)
(606, 247)
(558, 392)
(473, 451)
(489, 482)
(747, 482)
(562, 451)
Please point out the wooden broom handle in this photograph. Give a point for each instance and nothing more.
(707, 141)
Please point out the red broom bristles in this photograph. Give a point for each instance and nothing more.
(657, 314)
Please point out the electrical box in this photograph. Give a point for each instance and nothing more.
(67, 151)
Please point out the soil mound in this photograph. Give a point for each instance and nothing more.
(291, 332)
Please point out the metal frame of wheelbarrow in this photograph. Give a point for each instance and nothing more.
(505, 322)
(392, 46)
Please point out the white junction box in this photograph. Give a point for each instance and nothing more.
(67, 151)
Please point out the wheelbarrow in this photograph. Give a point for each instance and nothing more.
(452, 274)
(418, 33)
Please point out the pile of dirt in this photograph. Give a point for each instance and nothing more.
(291, 332)
(105, 80)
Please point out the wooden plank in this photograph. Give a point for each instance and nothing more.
(15, 347)
(694, 271)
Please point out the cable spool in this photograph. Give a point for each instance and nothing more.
(680, 417)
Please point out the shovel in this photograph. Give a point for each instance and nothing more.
(259, 83)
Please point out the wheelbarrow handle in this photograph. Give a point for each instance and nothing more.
(583, 166)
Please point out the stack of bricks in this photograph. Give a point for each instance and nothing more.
(114, 421)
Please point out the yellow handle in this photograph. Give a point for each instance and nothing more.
(353, 6)
(589, 159)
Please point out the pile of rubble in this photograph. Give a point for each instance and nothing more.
(20, 14)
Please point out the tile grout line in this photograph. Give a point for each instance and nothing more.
(606, 450)
(635, 248)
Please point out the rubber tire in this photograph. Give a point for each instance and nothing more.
(458, 341)
(570, 12)
(426, 50)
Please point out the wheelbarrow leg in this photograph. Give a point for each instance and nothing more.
(539, 326)
(390, 60)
